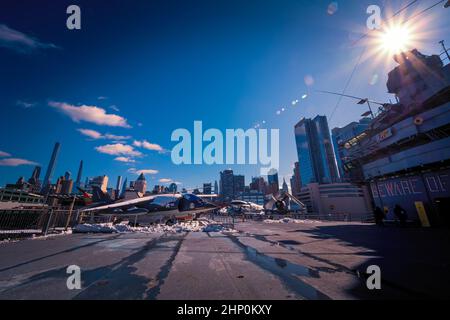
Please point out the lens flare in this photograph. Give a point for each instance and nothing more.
(396, 39)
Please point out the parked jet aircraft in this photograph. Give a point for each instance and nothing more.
(246, 206)
(282, 202)
(153, 208)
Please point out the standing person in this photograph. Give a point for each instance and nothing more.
(379, 216)
(401, 215)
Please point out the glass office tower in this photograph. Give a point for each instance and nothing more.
(315, 151)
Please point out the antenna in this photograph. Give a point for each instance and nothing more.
(361, 102)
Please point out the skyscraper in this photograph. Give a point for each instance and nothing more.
(100, 181)
(124, 188)
(274, 185)
(227, 185)
(216, 187)
(238, 184)
(207, 188)
(141, 184)
(118, 185)
(34, 179)
(51, 166)
(285, 186)
(173, 187)
(315, 151)
(79, 175)
(258, 184)
(296, 181)
(66, 184)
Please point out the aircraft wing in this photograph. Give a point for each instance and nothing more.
(294, 199)
(119, 204)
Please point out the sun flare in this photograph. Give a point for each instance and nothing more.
(396, 39)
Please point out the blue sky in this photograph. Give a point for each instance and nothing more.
(145, 68)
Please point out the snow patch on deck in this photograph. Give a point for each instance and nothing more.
(290, 220)
(190, 226)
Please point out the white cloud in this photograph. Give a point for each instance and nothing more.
(97, 135)
(165, 180)
(20, 42)
(14, 162)
(147, 145)
(144, 171)
(114, 107)
(25, 104)
(125, 159)
(91, 133)
(118, 149)
(115, 137)
(92, 114)
(102, 98)
(4, 154)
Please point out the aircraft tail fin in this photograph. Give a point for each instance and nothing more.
(85, 194)
(99, 196)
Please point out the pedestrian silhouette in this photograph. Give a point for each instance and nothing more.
(379, 216)
(401, 215)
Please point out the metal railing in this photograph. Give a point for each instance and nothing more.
(23, 222)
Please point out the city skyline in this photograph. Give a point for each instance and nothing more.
(281, 68)
(224, 150)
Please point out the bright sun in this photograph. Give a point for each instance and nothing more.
(396, 39)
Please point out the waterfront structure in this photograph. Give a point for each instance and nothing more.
(21, 196)
(253, 196)
(343, 200)
(51, 167)
(405, 154)
(315, 151)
